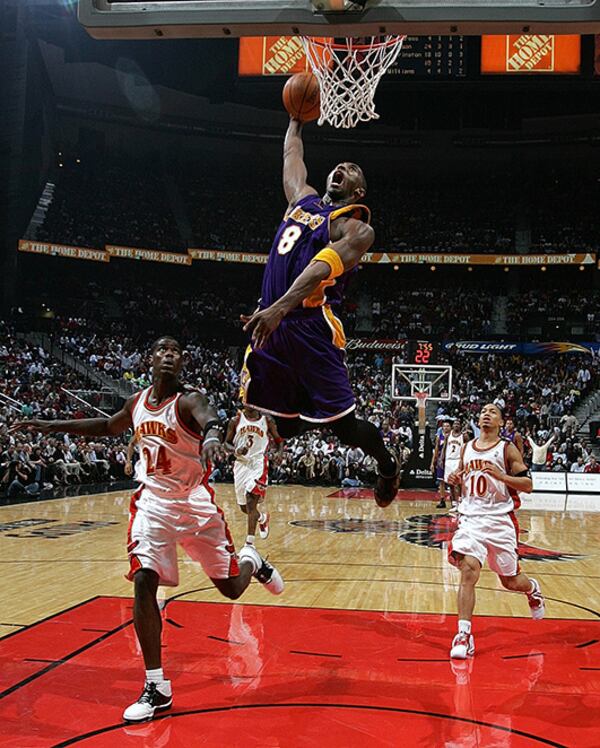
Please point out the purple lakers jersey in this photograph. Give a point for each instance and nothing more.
(303, 233)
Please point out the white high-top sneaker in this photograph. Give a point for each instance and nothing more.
(154, 697)
(537, 604)
(463, 646)
(262, 570)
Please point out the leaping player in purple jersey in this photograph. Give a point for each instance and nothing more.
(295, 367)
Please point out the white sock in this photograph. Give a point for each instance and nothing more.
(464, 627)
(155, 676)
(250, 539)
(262, 517)
(533, 588)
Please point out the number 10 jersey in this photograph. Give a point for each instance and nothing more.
(482, 494)
(169, 451)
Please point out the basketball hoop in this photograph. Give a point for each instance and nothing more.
(349, 72)
(421, 398)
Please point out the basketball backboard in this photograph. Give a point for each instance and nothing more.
(410, 379)
(172, 19)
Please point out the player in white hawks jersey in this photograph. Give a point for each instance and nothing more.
(453, 445)
(248, 437)
(491, 471)
(178, 434)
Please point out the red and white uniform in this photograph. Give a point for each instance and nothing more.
(487, 526)
(454, 445)
(251, 470)
(174, 503)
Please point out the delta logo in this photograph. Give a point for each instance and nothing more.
(436, 531)
(526, 53)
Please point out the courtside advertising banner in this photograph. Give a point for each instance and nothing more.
(260, 258)
(518, 54)
(149, 255)
(549, 481)
(583, 482)
(62, 250)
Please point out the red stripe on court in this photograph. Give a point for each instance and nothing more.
(358, 678)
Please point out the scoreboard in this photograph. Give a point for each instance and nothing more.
(421, 57)
(438, 57)
(424, 57)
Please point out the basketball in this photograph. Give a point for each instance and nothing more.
(301, 97)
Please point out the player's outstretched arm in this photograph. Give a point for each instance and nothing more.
(342, 255)
(294, 168)
(111, 426)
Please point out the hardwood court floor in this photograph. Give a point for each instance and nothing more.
(355, 650)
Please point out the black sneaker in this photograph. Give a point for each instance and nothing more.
(386, 487)
(441, 505)
(155, 697)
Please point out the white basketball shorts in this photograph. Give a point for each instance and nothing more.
(450, 466)
(493, 538)
(157, 525)
(250, 478)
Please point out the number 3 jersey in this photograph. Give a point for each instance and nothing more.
(169, 451)
(253, 436)
(482, 494)
(303, 233)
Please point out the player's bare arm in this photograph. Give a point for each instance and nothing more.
(356, 238)
(517, 476)
(294, 168)
(229, 436)
(111, 426)
(200, 417)
(436, 450)
(130, 447)
(275, 436)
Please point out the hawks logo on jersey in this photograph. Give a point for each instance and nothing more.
(156, 428)
(477, 465)
(170, 452)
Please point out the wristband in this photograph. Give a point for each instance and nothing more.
(210, 439)
(214, 424)
(330, 257)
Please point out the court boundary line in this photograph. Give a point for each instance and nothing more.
(296, 705)
(28, 626)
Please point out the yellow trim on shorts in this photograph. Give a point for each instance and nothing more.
(338, 337)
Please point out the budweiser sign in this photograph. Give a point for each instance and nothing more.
(371, 344)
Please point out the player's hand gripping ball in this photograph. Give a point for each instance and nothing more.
(301, 97)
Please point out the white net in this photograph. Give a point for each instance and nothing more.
(348, 75)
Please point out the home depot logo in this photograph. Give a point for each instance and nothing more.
(283, 55)
(530, 52)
